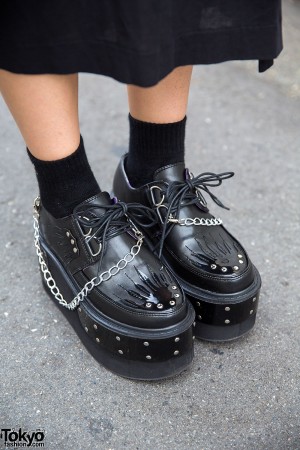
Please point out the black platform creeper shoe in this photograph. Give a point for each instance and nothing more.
(125, 306)
(211, 266)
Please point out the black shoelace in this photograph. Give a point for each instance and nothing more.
(188, 192)
(117, 219)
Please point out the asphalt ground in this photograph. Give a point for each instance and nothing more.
(239, 395)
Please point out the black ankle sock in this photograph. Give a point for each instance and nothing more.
(152, 146)
(66, 182)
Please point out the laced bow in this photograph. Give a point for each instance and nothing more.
(116, 219)
(186, 193)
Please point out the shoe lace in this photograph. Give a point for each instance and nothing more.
(189, 192)
(118, 218)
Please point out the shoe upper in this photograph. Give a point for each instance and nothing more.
(101, 239)
(196, 245)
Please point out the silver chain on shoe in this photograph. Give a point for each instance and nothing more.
(186, 221)
(196, 221)
(96, 281)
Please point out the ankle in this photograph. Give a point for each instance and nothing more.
(152, 146)
(65, 182)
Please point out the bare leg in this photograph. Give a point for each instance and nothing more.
(45, 108)
(164, 103)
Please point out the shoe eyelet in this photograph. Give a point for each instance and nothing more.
(152, 196)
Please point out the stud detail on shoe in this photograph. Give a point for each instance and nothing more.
(72, 241)
(153, 291)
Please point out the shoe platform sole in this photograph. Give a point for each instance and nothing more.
(135, 353)
(222, 317)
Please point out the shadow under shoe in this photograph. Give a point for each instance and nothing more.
(212, 267)
(125, 306)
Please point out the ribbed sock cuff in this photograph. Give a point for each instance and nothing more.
(152, 146)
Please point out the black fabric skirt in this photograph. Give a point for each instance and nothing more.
(135, 41)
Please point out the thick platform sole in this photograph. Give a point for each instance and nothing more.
(223, 317)
(135, 353)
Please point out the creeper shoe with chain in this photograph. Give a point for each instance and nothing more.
(212, 267)
(125, 306)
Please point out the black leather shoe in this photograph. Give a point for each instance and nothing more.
(212, 267)
(125, 306)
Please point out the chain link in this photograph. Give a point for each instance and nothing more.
(96, 281)
(196, 221)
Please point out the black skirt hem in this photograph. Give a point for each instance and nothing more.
(144, 69)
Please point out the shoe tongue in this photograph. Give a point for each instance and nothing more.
(173, 172)
(101, 199)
